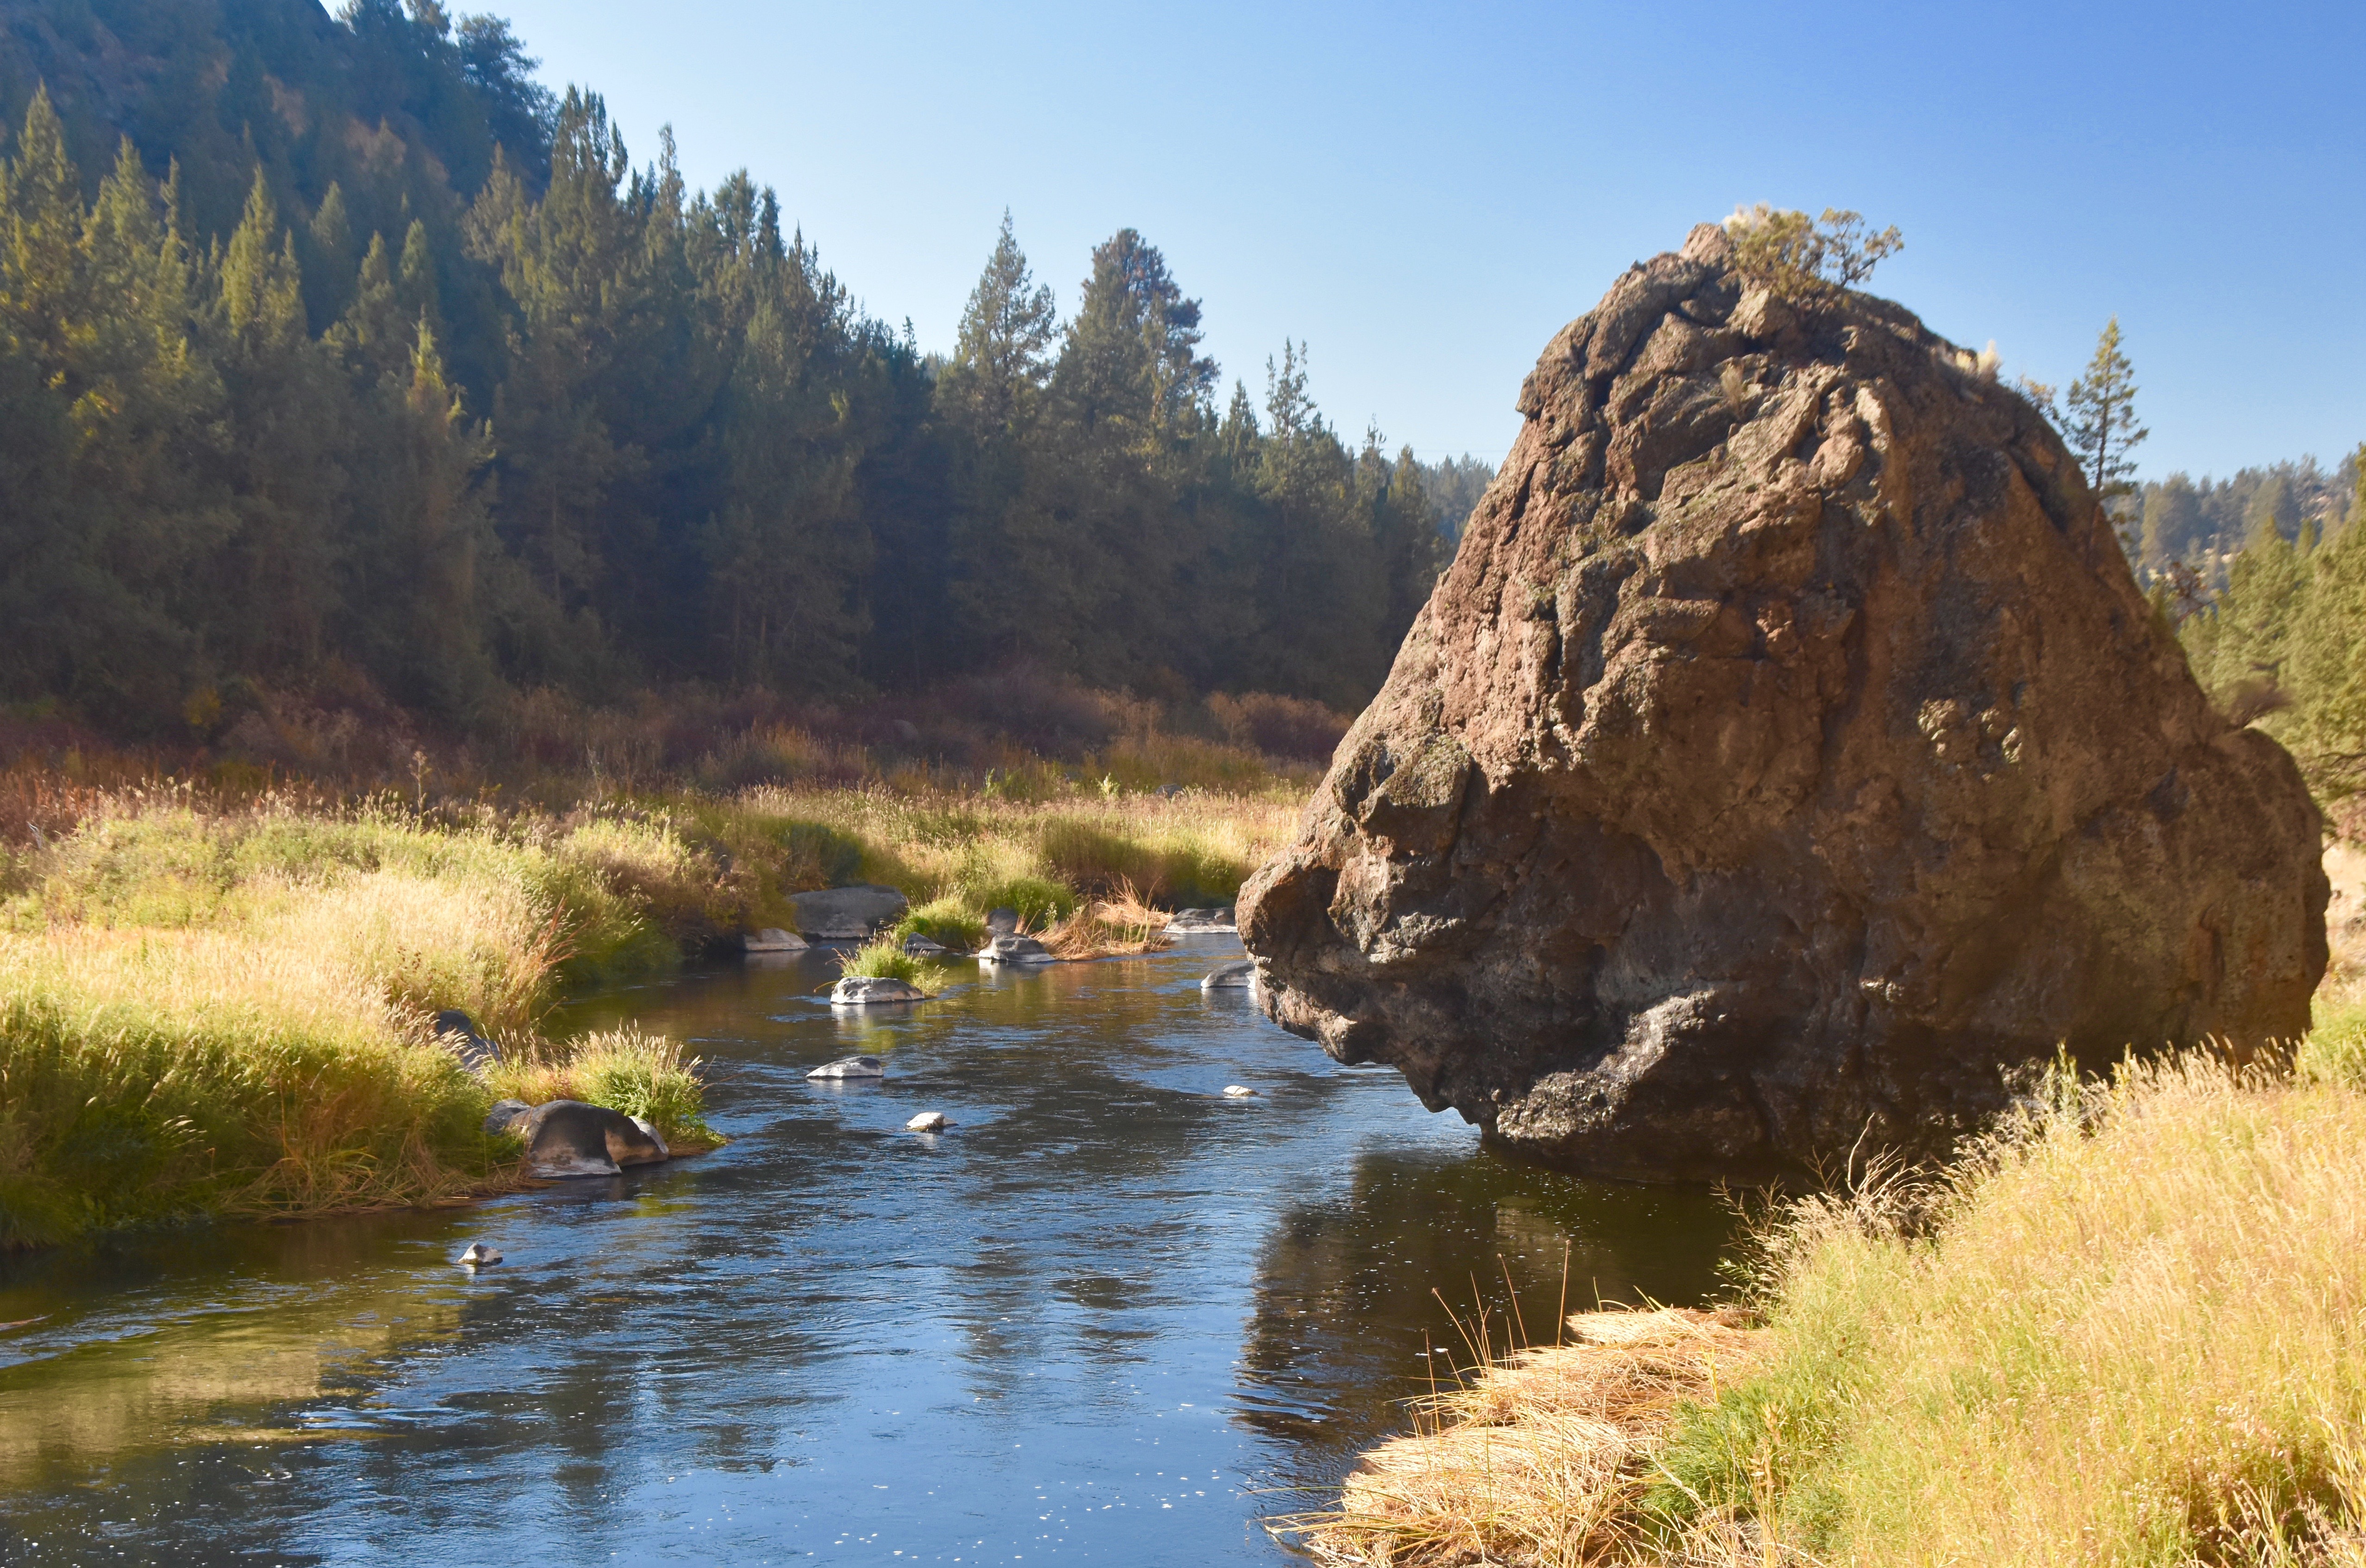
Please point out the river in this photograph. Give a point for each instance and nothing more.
(1107, 1315)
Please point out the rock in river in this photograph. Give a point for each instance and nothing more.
(1014, 950)
(850, 1066)
(773, 939)
(927, 1122)
(1196, 922)
(1788, 754)
(847, 915)
(567, 1137)
(872, 990)
(1231, 977)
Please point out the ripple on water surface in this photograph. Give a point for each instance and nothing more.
(1108, 1315)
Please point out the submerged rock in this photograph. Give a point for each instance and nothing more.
(1239, 1092)
(477, 1255)
(1015, 950)
(1231, 977)
(847, 915)
(927, 1122)
(567, 1137)
(871, 990)
(850, 1066)
(1787, 753)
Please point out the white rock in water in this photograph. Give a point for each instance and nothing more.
(927, 1122)
(850, 1066)
(1231, 977)
(478, 1256)
(1015, 950)
(1239, 1092)
(773, 939)
(866, 990)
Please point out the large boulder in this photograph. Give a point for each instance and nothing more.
(847, 915)
(1787, 753)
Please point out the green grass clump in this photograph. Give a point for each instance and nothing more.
(640, 1074)
(951, 923)
(1181, 868)
(885, 960)
(1039, 901)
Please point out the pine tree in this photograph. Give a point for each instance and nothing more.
(998, 364)
(2100, 424)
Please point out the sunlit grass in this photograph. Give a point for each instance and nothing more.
(625, 1069)
(887, 959)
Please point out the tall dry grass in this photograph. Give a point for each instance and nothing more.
(1542, 1458)
(230, 1011)
(2128, 1329)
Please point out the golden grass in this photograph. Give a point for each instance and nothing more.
(230, 1013)
(2136, 1331)
(2128, 1329)
(1541, 1457)
(625, 1069)
(1119, 925)
(230, 997)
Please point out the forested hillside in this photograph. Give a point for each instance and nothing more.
(340, 348)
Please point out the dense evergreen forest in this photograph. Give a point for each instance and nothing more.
(340, 347)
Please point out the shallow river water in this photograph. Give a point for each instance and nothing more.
(1109, 1315)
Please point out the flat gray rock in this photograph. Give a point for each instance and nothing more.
(847, 915)
(1015, 950)
(1231, 977)
(850, 1066)
(866, 990)
(773, 939)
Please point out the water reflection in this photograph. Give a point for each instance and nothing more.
(1357, 1295)
(1104, 1315)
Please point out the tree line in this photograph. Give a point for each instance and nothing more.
(513, 411)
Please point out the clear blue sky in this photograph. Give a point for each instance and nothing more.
(1424, 195)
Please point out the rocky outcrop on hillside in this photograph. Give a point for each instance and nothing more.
(1787, 753)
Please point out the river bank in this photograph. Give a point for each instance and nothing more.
(2123, 1328)
(216, 1002)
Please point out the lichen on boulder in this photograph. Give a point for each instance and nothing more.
(1788, 754)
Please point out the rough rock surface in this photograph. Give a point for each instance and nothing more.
(1786, 755)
